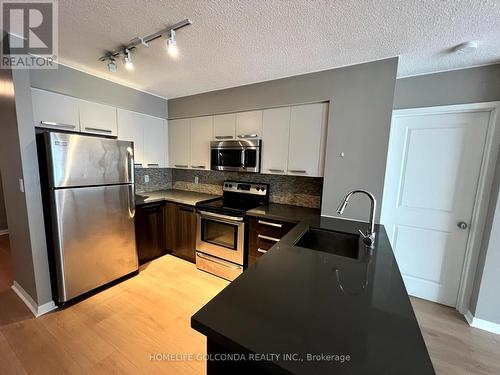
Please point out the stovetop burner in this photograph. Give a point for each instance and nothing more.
(238, 197)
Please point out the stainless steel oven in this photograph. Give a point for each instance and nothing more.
(241, 155)
(220, 244)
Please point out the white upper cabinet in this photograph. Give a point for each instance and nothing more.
(131, 129)
(201, 131)
(55, 111)
(249, 125)
(97, 118)
(179, 143)
(155, 142)
(275, 138)
(225, 127)
(307, 139)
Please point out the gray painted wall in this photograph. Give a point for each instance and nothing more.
(361, 99)
(473, 85)
(15, 201)
(454, 87)
(3, 213)
(72, 82)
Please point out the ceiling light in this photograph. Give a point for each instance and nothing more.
(112, 67)
(172, 44)
(127, 60)
(466, 47)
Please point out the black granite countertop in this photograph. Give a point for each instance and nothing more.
(284, 212)
(295, 300)
(190, 198)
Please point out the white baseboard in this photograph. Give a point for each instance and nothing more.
(481, 323)
(4, 232)
(32, 305)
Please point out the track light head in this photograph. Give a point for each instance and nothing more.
(127, 60)
(112, 67)
(172, 44)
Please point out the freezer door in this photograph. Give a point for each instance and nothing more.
(94, 237)
(80, 160)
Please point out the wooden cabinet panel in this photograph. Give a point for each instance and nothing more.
(179, 143)
(225, 127)
(307, 136)
(201, 132)
(180, 230)
(149, 232)
(56, 111)
(275, 139)
(155, 141)
(249, 124)
(97, 118)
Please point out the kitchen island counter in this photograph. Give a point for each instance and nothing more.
(312, 312)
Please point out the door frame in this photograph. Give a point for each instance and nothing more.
(483, 192)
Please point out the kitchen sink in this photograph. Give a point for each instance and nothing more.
(329, 241)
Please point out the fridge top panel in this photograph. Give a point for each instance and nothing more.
(78, 160)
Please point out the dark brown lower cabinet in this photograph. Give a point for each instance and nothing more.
(263, 234)
(149, 232)
(180, 230)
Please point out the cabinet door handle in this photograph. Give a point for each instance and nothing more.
(180, 166)
(57, 124)
(276, 170)
(138, 164)
(261, 236)
(297, 171)
(261, 250)
(223, 137)
(268, 223)
(153, 164)
(99, 130)
(198, 166)
(248, 135)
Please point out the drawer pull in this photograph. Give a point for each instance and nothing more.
(99, 130)
(153, 164)
(180, 166)
(261, 236)
(261, 250)
(268, 223)
(138, 165)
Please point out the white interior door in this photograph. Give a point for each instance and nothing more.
(431, 180)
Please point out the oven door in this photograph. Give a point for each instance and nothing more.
(221, 236)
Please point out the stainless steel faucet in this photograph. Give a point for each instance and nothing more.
(369, 235)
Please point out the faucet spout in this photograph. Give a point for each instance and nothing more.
(369, 235)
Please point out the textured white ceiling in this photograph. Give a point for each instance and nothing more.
(236, 42)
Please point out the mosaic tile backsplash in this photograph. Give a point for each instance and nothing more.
(159, 179)
(294, 190)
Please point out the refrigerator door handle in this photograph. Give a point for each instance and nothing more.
(130, 157)
(131, 200)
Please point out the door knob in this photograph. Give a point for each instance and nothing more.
(462, 225)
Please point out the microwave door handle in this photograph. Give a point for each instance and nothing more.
(243, 158)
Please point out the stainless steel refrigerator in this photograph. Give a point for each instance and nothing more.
(88, 185)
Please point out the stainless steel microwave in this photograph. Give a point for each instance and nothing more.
(241, 156)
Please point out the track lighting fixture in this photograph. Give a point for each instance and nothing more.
(172, 44)
(126, 50)
(127, 59)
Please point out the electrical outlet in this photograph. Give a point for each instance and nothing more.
(146, 178)
(196, 180)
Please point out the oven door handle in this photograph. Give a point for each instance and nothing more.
(219, 216)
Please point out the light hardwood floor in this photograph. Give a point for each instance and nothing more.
(116, 331)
